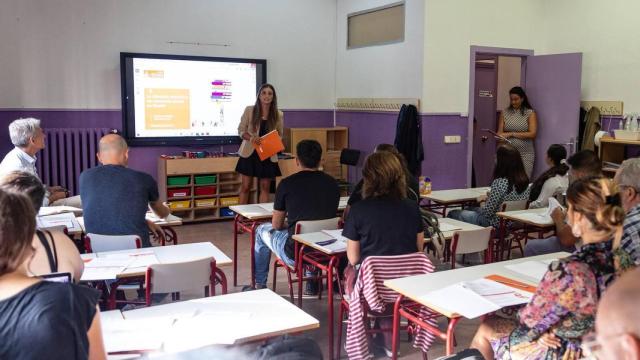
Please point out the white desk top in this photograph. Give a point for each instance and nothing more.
(66, 219)
(265, 210)
(455, 195)
(536, 217)
(415, 287)
(226, 319)
(170, 220)
(312, 239)
(168, 254)
(457, 224)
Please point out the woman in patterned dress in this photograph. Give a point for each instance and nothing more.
(519, 124)
(562, 310)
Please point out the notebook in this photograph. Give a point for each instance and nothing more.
(270, 145)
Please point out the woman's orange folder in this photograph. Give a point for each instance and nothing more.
(270, 145)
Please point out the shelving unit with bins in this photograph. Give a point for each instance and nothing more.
(332, 140)
(614, 151)
(200, 176)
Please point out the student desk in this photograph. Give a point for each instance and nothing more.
(455, 197)
(165, 255)
(324, 258)
(416, 287)
(166, 223)
(247, 219)
(531, 220)
(218, 320)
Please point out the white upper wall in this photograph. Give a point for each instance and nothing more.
(451, 27)
(607, 34)
(65, 53)
(392, 70)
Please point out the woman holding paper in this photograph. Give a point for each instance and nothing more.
(519, 124)
(563, 308)
(257, 121)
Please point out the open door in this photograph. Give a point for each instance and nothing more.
(552, 84)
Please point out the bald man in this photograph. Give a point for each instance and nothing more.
(115, 198)
(618, 319)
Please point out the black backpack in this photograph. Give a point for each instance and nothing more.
(432, 229)
(289, 348)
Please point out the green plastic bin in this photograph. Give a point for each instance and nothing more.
(205, 179)
(178, 180)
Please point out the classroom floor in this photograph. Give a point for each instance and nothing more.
(220, 234)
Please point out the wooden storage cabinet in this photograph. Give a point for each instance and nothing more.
(614, 151)
(212, 183)
(332, 140)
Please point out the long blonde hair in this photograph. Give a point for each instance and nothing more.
(272, 120)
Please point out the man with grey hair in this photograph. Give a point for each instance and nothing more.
(28, 138)
(115, 199)
(628, 180)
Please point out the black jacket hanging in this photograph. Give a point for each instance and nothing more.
(408, 139)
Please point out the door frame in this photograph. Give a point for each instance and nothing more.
(486, 50)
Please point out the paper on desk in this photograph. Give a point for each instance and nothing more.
(553, 204)
(253, 209)
(197, 331)
(475, 298)
(135, 260)
(67, 220)
(103, 269)
(342, 203)
(267, 206)
(51, 210)
(336, 234)
(444, 227)
(539, 219)
(533, 269)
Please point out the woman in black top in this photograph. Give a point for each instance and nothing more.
(40, 320)
(384, 222)
(413, 188)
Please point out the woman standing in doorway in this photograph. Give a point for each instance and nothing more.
(257, 121)
(519, 124)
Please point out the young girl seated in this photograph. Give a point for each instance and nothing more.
(510, 183)
(552, 182)
(563, 308)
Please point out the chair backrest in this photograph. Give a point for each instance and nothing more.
(176, 277)
(514, 205)
(472, 241)
(101, 243)
(309, 226)
(349, 157)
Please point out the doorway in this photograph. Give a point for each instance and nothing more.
(494, 76)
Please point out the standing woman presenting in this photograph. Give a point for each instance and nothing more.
(257, 121)
(519, 124)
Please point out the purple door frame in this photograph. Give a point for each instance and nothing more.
(484, 116)
(474, 51)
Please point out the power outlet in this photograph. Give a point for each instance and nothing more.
(452, 139)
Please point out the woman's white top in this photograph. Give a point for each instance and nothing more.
(553, 186)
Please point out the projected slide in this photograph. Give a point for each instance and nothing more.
(180, 98)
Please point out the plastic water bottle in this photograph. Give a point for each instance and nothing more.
(627, 123)
(634, 123)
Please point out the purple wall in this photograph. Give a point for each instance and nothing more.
(444, 163)
(140, 158)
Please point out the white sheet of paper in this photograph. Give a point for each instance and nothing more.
(135, 260)
(540, 219)
(129, 335)
(553, 204)
(533, 269)
(444, 227)
(336, 234)
(497, 293)
(253, 209)
(343, 202)
(51, 210)
(103, 269)
(65, 219)
(459, 299)
(267, 206)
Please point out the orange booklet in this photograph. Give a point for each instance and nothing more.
(270, 145)
(512, 283)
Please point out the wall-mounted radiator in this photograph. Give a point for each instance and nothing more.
(67, 153)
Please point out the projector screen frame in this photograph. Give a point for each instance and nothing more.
(128, 108)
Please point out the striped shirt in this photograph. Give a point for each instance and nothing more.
(631, 234)
(370, 288)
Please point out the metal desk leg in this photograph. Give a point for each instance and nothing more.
(332, 263)
(252, 234)
(235, 249)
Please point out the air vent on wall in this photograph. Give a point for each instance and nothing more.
(375, 104)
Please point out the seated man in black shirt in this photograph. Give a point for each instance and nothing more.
(309, 194)
(115, 198)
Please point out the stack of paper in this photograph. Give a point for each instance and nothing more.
(51, 210)
(475, 298)
(104, 268)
